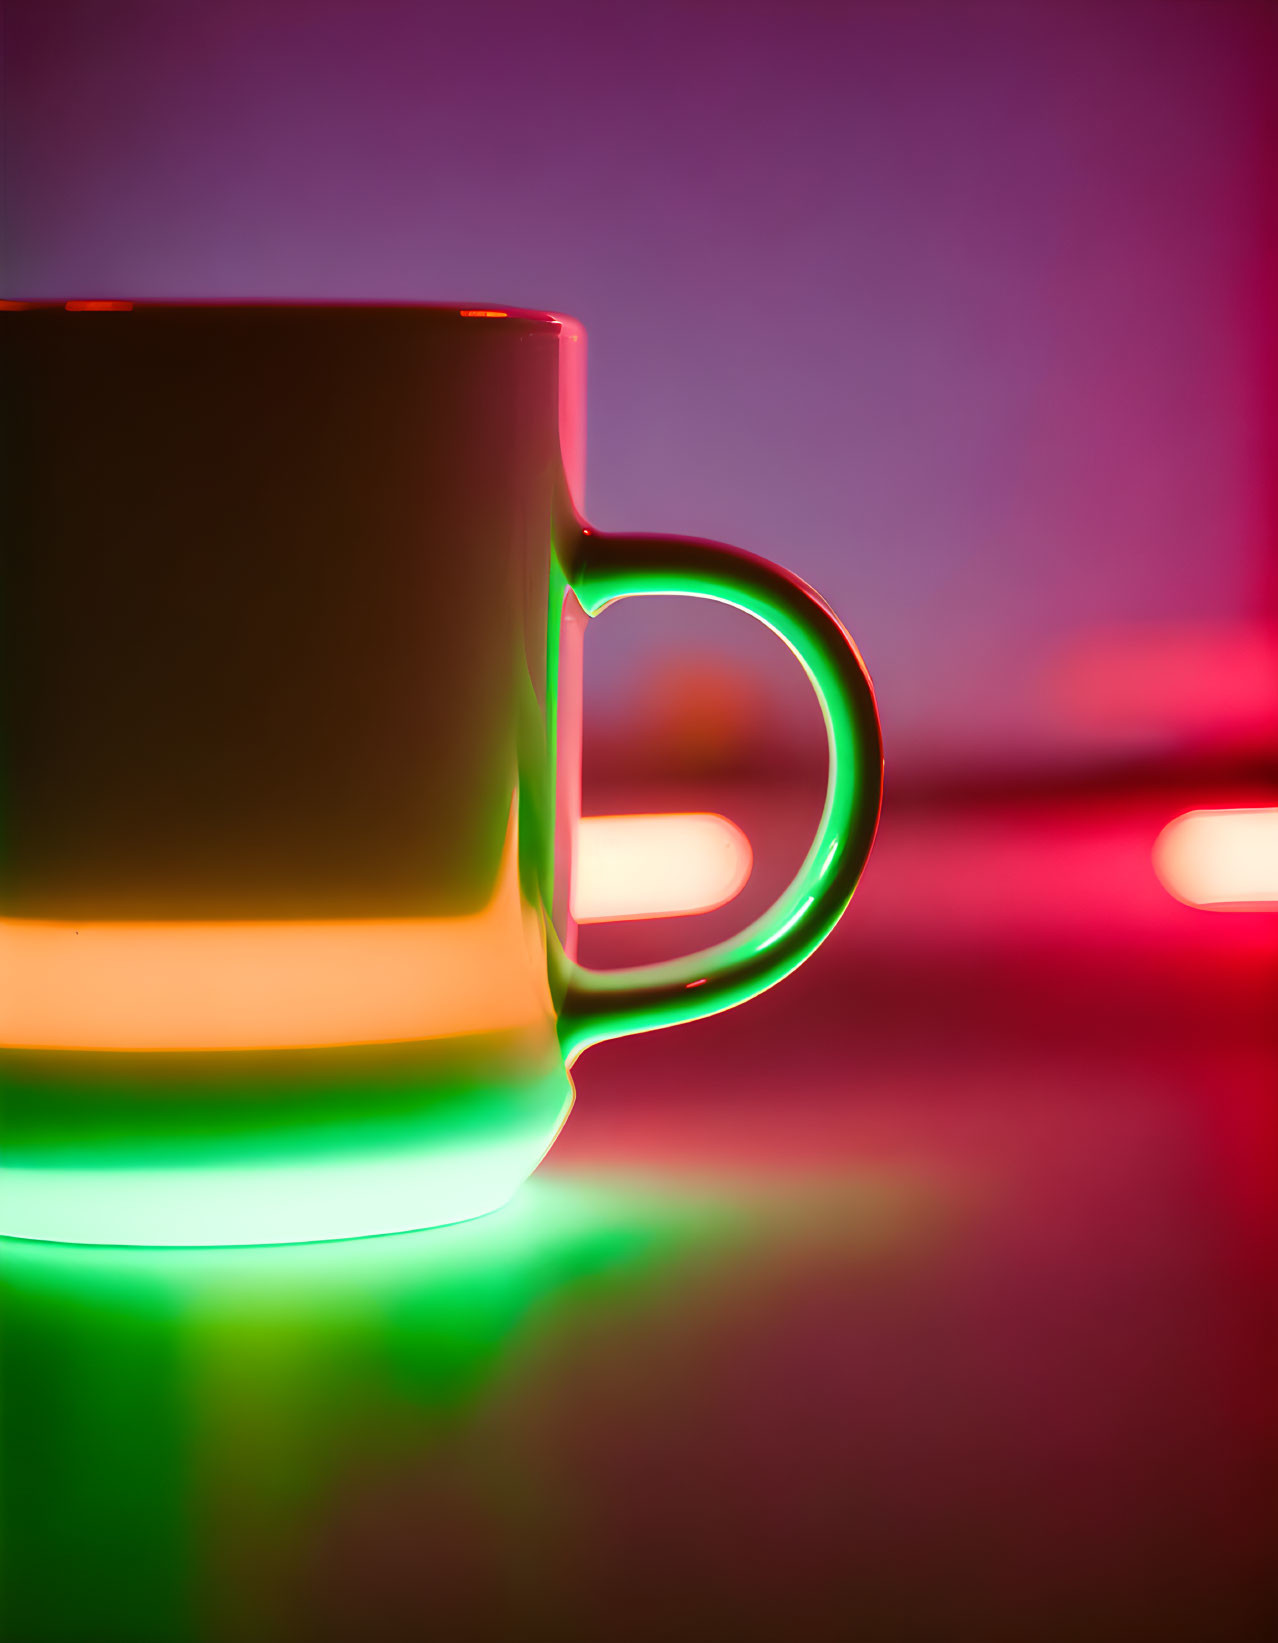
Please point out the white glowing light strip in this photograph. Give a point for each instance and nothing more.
(1220, 858)
(657, 866)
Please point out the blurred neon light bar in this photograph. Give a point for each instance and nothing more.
(663, 866)
(1220, 859)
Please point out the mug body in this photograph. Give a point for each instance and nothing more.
(280, 744)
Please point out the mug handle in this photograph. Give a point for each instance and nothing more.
(603, 1004)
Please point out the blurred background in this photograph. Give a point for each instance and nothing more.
(931, 1294)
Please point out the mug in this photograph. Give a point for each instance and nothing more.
(292, 600)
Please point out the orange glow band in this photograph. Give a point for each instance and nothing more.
(238, 986)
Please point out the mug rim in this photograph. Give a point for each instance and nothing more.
(507, 318)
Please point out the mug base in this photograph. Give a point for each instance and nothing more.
(295, 1202)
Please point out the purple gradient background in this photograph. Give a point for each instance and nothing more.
(959, 310)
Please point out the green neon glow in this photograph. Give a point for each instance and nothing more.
(238, 1149)
(599, 1006)
(298, 1202)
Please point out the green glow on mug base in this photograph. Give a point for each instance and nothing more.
(264, 1203)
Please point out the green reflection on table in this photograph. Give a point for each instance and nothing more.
(171, 1419)
(262, 1443)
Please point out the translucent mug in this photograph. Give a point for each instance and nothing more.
(291, 607)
